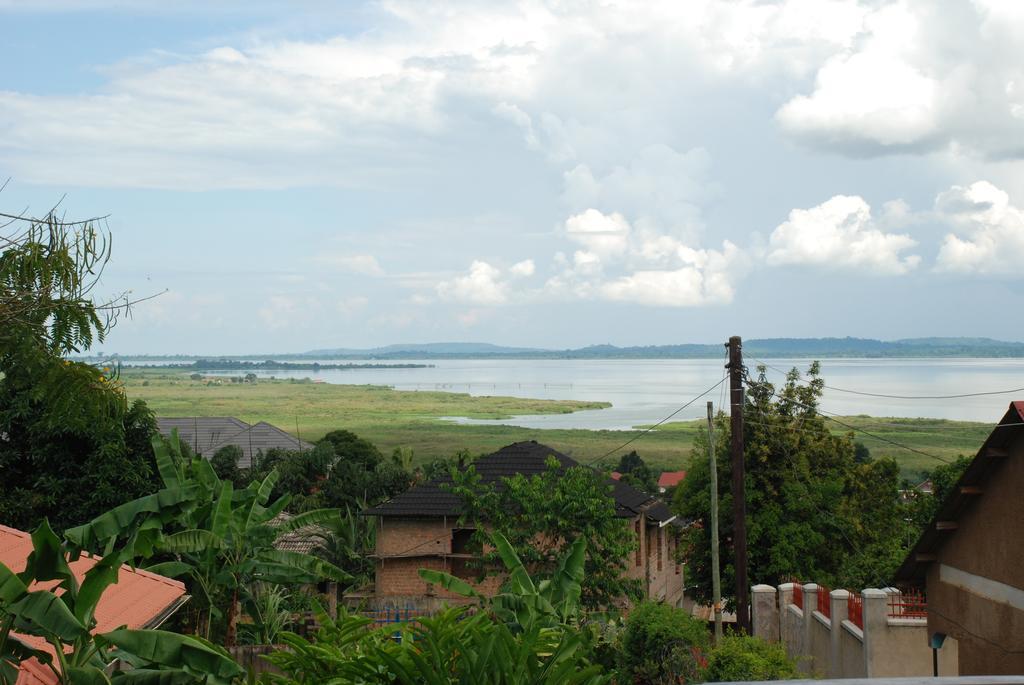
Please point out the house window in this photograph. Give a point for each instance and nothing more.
(461, 537)
(461, 567)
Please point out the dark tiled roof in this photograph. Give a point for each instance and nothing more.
(431, 499)
(201, 432)
(986, 465)
(259, 438)
(206, 435)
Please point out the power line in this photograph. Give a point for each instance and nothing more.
(650, 428)
(831, 417)
(902, 397)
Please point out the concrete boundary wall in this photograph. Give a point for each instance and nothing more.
(834, 646)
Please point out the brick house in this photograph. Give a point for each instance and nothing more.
(970, 556)
(420, 529)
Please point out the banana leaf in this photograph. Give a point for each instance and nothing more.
(171, 650)
(43, 613)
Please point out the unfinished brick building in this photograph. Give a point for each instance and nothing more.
(420, 529)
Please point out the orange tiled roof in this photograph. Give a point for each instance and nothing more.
(136, 600)
(670, 479)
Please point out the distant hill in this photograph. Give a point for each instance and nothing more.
(812, 348)
(768, 347)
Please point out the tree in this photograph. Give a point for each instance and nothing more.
(637, 473)
(221, 541)
(662, 644)
(225, 463)
(540, 516)
(71, 446)
(812, 511)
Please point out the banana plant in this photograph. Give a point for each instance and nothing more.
(220, 543)
(524, 604)
(64, 617)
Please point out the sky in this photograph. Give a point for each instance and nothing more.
(300, 175)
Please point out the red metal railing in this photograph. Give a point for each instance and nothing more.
(908, 605)
(855, 609)
(798, 595)
(824, 601)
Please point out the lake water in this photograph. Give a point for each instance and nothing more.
(646, 391)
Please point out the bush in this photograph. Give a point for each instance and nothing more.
(662, 644)
(749, 658)
(225, 463)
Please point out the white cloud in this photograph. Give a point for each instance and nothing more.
(367, 265)
(482, 285)
(840, 233)
(989, 237)
(925, 76)
(348, 306)
(523, 268)
(352, 110)
(602, 235)
(704, 278)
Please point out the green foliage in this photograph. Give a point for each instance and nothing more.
(70, 447)
(813, 511)
(662, 644)
(220, 540)
(637, 473)
(541, 515)
(453, 647)
(924, 506)
(523, 604)
(225, 463)
(749, 658)
(359, 472)
(64, 617)
(347, 542)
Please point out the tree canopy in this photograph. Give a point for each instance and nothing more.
(72, 446)
(813, 510)
(542, 514)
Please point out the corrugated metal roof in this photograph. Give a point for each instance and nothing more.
(207, 434)
(136, 600)
(986, 463)
(431, 499)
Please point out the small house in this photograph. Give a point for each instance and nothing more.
(420, 529)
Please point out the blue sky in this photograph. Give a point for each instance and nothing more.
(316, 174)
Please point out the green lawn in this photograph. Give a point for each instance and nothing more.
(392, 418)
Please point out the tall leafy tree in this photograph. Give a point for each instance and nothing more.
(71, 446)
(541, 515)
(814, 510)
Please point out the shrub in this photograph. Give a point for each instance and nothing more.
(662, 644)
(225, 463)
(749, 658)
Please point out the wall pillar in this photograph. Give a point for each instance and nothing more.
(876, 617)
(810, 605)
(839, 610)
(765, 621)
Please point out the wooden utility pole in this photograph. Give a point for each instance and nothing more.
(716, 578)
(739, 495)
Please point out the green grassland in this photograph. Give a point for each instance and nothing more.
(391, 418)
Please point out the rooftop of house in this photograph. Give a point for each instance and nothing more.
(670, 479)
(967, 493)
(138, 599)
(432, 499)
(305, 540)
(207, 434)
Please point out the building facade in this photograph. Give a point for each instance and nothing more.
(970, 559)
(421, 529)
